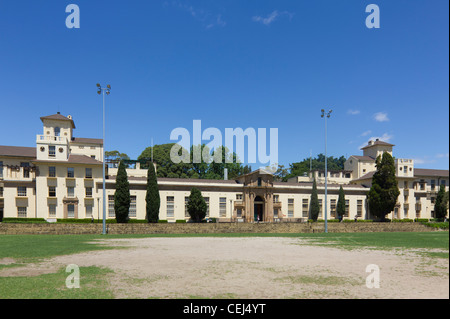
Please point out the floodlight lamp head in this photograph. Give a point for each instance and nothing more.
(98, 85)
(322, 110)
(108, 86)
(99, 91)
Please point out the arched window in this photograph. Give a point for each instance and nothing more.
(57, 131)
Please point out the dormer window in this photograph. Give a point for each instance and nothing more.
(57, 131)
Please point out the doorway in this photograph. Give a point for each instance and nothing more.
(258, 209)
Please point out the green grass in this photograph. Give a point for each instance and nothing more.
(34, 248)
(93, 285)
(383, 241)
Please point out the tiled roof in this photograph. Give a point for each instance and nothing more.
(431, 172)
(377, 143)
(58, 117)
(18, 151)
(83, 140)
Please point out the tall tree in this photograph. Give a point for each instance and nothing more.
(314, 203)
(122, 195)
(340, 210)
(384, 192)
(152, 197)
(196, 205)
(440, 205)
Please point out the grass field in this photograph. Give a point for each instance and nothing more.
(22, 250)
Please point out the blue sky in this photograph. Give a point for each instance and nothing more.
(235, 63)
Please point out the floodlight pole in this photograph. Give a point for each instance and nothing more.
(326, 171)
(103, 91)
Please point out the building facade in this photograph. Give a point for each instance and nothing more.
(62, 178)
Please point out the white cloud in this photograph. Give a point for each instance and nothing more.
(381, 117)
(442, 155)
(272, 17)
(353, 112)
(207, 18)
(366, 133)
(423, 160)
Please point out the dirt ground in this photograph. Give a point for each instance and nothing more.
(256, 267)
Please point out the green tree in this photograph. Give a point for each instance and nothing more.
(152, 196)
(384, 192)
(314, 203)
(196, 205)
(122, 195)
(340, 209)
(114, 157)
(440, 205)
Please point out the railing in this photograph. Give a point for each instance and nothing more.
(52, 138)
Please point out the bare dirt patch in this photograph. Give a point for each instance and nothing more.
(255, 267)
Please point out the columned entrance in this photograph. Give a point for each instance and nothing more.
(258, 209)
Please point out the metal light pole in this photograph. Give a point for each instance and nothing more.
(107, 91)
(326, 172)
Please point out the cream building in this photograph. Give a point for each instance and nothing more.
(62, 178)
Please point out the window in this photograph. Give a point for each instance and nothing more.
(396, 212)
(57, 131)
(52, 171)
(259, 181)
(347, 204)
(111, 212)
(1, 191)
(132, 211)
(333, 208)
(88, 191)
(290, 207)
(21, 191)
(433, 184)
(422, 185)
(276, 198)
(239, 213)
(443, 182)
(1, 169)
(26, 169)
(207, 206)
(359, 208)
(186, 202)
(275, 213)
(52, 191)
(70, 191)
(22, 212)
(305, 211)
(51, 210)
(222, 207)
(405, 212)
(51, 151)
(320, 208)
(170, 206)
(405, 169)
(70, 211)
(70, 172)
(88, 172)
(89, 210)
(238, 196)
